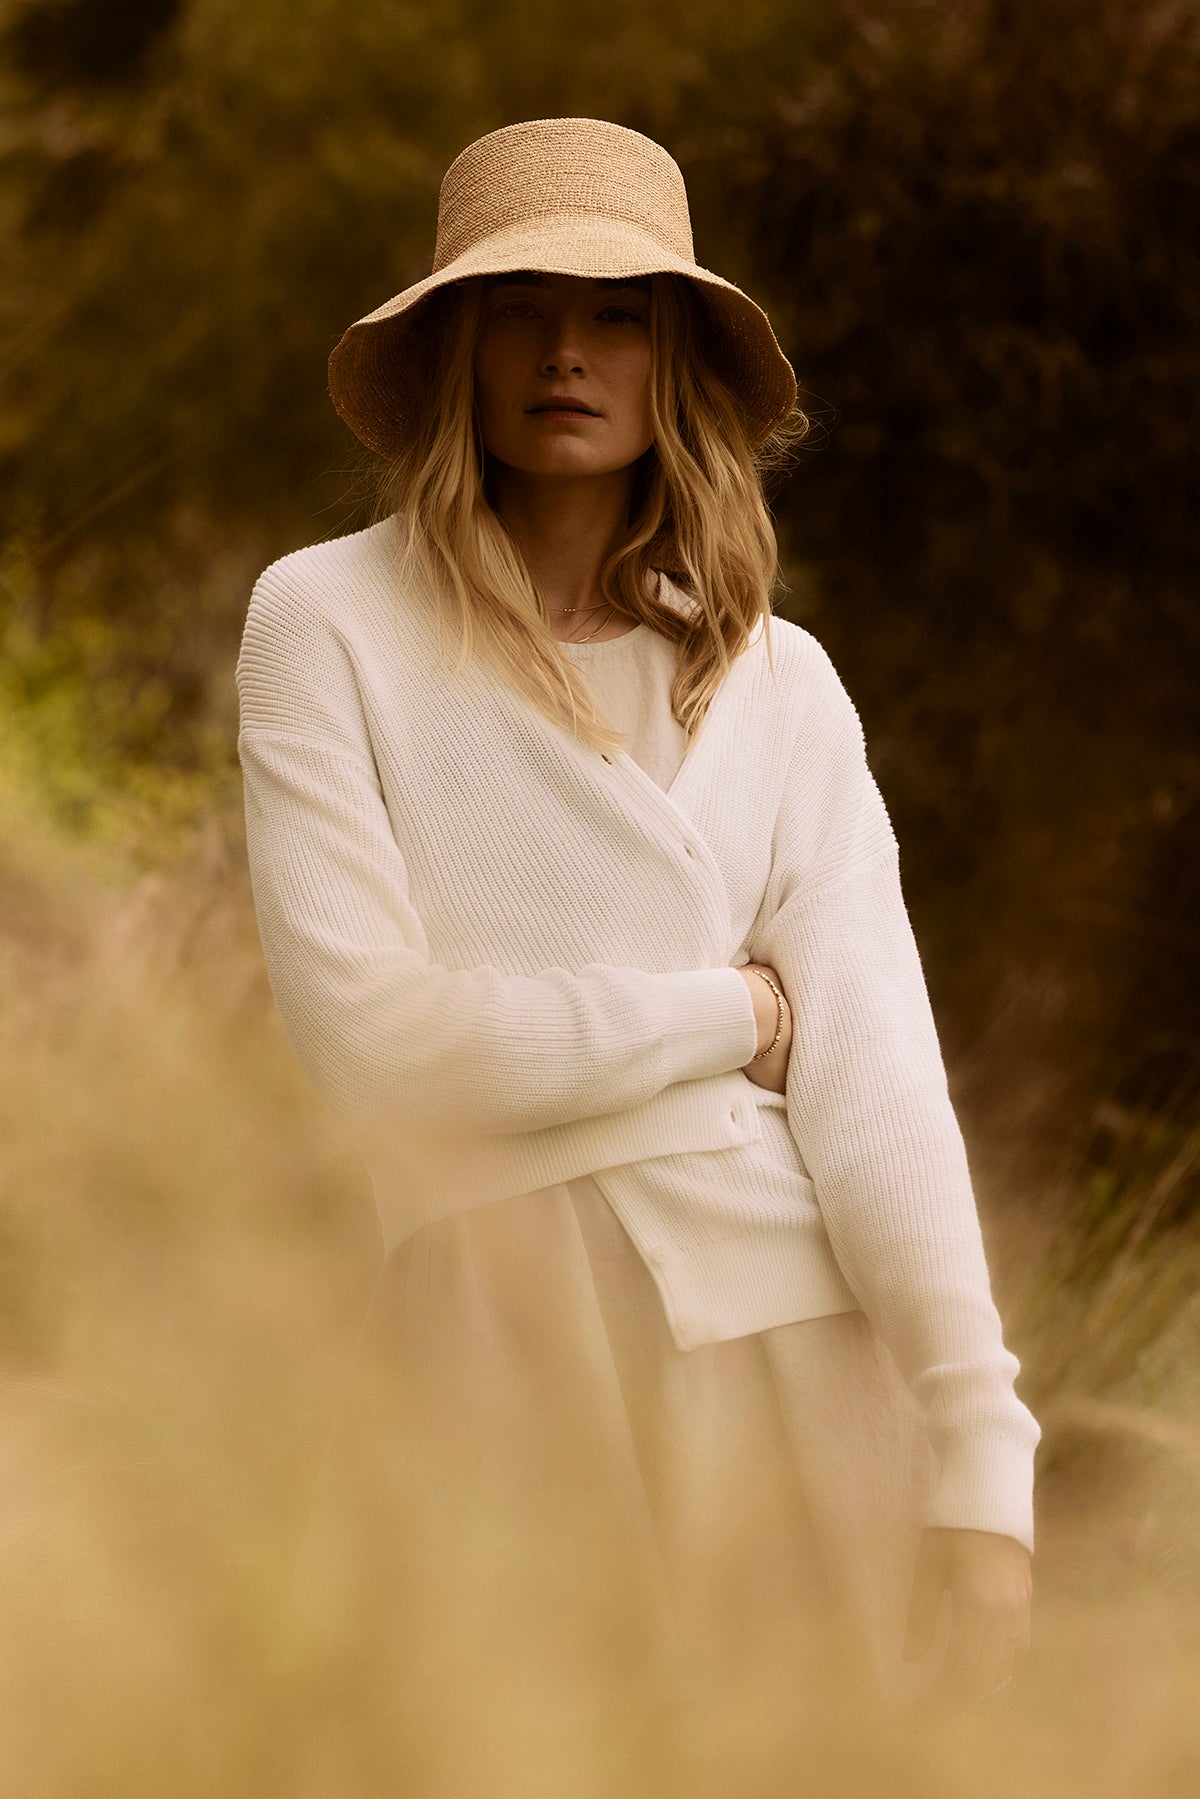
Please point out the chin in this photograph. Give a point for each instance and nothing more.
(550, 465)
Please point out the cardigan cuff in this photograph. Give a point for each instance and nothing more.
(706, 1019)
(985, 1483)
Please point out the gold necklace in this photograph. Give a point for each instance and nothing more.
(599, 627)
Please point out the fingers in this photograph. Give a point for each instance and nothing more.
(1006, 1641)
(929, 1583)
(989, 1586)
(967, 1647)
(999, 1655)
(987, 1639)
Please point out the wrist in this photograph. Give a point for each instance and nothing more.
(769, 1014)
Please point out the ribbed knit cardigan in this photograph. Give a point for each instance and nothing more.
(508, 958)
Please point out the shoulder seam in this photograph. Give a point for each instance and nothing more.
(309, 740)
(887, 851)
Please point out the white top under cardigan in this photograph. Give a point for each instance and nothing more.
(509, 958)
(632, 677)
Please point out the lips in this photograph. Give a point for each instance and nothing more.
(564, 405)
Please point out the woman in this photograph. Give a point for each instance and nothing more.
(594, 930)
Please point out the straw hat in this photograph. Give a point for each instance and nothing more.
(572, 197)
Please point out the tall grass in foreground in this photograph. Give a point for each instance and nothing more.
(186, 1250)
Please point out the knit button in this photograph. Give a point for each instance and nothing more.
(659, 1255)
(604, 757)
(689, 849)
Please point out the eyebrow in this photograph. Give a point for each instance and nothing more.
(536, 278)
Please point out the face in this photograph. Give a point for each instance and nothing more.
(553, 337)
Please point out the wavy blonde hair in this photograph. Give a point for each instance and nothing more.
(698, 511)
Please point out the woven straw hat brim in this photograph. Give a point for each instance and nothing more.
(370, 372)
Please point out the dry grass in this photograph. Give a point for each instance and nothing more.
(188, 1248)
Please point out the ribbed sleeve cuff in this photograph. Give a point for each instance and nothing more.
(707, 1020)
(985, 1483)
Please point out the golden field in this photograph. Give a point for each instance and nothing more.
(189, 1246)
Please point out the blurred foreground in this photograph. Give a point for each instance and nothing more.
(189, 1249)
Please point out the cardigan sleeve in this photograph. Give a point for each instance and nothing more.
(869, 1108)
(383, 1031)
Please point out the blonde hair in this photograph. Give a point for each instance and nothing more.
(698, 512)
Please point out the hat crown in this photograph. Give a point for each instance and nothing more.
(589, 170)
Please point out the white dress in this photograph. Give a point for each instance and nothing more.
(747, 1511)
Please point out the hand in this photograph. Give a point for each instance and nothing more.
(990, 1582)
(770, 1071)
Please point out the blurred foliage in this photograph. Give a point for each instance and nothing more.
(79, 736)
(973, 224)
(219, 1499)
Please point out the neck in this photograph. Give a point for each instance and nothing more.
(565, 528)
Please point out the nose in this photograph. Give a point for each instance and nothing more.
(562, 352)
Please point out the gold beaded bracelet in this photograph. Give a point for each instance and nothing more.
(779, 1019)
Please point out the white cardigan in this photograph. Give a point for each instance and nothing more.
(509, 958)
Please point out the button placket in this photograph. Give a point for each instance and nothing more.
(661, 799)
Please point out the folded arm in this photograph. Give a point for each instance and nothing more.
(385, 1032)
(869, 1109)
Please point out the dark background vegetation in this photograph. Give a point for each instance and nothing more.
(974, 224)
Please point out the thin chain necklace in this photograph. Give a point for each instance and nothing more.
(590, 634)
(596, 632)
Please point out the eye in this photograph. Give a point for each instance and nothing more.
(624, 315)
